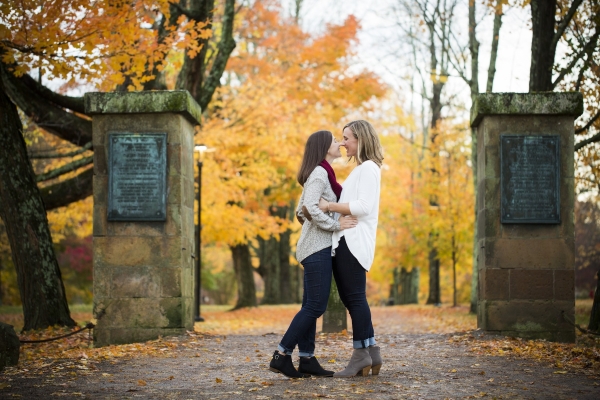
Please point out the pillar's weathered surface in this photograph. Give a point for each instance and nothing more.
(525, 213)
(143, 228)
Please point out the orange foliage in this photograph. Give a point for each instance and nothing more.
(282, 85)
(99, 41)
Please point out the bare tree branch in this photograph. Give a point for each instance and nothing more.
(590, 123)
(224, 50)
(563, 24)
(69, 102)
(47, 116)
(72, 166)
(583, 143)
(587, 49)
(85, 148)
(494, 52)
(71, 190)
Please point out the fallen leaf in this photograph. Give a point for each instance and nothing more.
(481, 373)
(218, 380)
(247, 359)
(171, 377)
(453, 370)
(560, 372)
(141, 382)
(332, 361)
(491, 380)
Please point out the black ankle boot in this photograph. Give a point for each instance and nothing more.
(311, 366)
(282, 364)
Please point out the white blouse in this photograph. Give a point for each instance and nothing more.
(361, 191)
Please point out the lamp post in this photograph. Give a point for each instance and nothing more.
(197, 285)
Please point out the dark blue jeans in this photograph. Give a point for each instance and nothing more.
(317, 284)
(351, 280)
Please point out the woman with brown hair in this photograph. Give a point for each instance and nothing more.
(313, 251)
(354, 248)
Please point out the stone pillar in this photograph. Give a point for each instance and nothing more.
(143, 266)
(526, 248)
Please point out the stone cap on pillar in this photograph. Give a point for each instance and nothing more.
(538, 103)
(145, 102)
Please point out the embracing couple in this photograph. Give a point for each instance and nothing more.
(338, 238)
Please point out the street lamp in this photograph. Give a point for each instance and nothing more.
(200, 149)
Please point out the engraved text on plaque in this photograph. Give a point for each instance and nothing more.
(529, 179)
(137, 176)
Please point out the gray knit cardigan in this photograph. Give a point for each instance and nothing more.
(316, 233)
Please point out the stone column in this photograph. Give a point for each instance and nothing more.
(143, 267)
(526, 249)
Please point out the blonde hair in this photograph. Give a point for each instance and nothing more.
(369, 147)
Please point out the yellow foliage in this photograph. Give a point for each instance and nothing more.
(406, 217)
(283, 85)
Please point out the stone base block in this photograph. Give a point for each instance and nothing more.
(528, 319)
(105, 337)
(143, 313)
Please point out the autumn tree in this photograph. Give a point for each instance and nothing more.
(22, 210)
(105, 44)
(283, 84)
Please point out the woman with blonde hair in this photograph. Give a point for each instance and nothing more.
(354, 248)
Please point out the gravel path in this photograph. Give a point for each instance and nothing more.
(421, 366)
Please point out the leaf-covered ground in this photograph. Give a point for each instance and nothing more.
(429, 352)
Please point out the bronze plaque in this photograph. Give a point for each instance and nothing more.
(530, 179)
(137, 176)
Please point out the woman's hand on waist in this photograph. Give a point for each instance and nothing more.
(347, 221)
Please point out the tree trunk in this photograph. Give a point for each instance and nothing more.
(542, 53)
(594, 324)
(192, 72)
(22, 210)
(405, 289)
(436, 107)
(1, 292)
(242, 266)
(335, 317)
(193, 76)
(269, 269)
(494, 52)
(434, 276)
(474, 87)
(285, 270)
(274, 265)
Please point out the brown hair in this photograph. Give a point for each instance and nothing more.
(369, 147)
(316, 149)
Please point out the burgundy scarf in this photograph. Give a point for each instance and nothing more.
(337, 188)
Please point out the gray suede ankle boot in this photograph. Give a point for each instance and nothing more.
(360, 364)
(376, 361)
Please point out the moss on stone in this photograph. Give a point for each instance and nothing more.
(146, 102)
(548, 103)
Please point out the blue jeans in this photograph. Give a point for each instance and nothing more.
(317, 284)
(351, 280)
